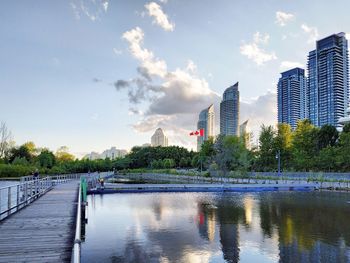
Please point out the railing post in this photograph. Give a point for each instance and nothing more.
(17, 196)
(9, 200)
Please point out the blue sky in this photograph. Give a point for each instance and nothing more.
(93, 74)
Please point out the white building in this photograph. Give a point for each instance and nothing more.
(345, 120)
(159, 138)
(245, 133)
(206, 121)
(112, 153)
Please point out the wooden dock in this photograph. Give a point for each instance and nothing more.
(44, 230)
(140, 188)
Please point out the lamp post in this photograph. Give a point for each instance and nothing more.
(278, 157)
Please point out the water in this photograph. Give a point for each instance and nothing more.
(218, 227)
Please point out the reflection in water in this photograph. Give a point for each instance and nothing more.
(218, 227)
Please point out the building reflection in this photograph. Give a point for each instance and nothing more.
(311, 228)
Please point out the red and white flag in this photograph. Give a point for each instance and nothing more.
(199, 132)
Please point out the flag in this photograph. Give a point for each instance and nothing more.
(199, 132)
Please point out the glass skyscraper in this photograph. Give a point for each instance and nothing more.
(206, 121)
(292, 97)
(328, 80)
(229, 111)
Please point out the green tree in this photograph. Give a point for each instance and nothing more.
(304, 146)
(63, 155)
(46, 159)
(168, 163)
(283, 143)
(266, 159)
(231, 154)
(327, 136)
(343, 153)
(346, 127)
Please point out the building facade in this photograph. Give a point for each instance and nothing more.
(328, 80)
(229, 111)
(244, 133)
(159, 138)
(292, 102)
(206, 121)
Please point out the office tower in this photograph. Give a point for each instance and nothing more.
(206, 122)
(328, 80)
(292, 97)
(229, 111)
(159, 138)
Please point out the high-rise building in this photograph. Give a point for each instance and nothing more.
(292, 97)
(245, 134)
(328, 80)
(229, 111)
(159, 138)
(206, 121)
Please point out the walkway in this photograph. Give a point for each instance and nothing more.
(44, 230)
(138, 188)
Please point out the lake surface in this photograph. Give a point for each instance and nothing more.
(218, 227)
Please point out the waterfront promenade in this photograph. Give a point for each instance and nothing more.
(44, 230)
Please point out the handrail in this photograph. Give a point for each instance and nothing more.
(77, 238)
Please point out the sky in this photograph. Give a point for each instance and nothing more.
(91, 74)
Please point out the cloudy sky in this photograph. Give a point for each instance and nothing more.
(91, 74)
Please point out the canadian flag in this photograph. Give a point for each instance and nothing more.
(199, 132)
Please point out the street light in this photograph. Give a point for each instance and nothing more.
(278, 157)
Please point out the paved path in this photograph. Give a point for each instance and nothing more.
(44, 230)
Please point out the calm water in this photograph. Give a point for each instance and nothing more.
(218, 227)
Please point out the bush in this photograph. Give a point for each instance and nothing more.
(9, 170)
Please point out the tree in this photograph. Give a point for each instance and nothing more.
(346, 127)
(206, 153)
(5, 140)
(231, 154)
(168, 163)
(327, 136)
(343, 156)
(305, 138)
(20, 152)
(283, 143)
(266, 160)
(46, 159)
(63, 155)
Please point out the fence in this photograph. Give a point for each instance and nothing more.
(16, 196)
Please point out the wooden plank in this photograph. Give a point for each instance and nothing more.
(44, 230)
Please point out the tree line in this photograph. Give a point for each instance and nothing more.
(306, 148)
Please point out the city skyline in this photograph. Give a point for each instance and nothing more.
(91, 74)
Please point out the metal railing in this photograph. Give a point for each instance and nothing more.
(77, 237)
(16, 196)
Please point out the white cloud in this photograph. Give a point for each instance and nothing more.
(261, 110)
(285, 65)
(173, 99)
(311, 31)
(283, 18)
(261, 38)
(254, 52)
(92, 9)
(163, 1)
(159, 17)
(152, 65)
(117, 51)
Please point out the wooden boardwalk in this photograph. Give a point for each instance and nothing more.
(44, 230)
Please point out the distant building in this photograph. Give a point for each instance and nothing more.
(146, 145)
(112, 153)
(245, 133)
(206, 121)
(229, 111)
(345, 120)
(159, 138)
(328, 80)
(292, 97)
